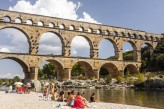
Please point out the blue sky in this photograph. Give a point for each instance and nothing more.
(145, 15)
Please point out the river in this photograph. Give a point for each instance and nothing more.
(145, 98)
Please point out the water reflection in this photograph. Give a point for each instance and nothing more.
(146, 98)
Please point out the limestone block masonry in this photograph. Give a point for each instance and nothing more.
(67, 30)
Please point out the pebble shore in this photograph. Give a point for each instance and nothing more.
(35, 101)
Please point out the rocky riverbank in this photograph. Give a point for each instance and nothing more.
(35, 101)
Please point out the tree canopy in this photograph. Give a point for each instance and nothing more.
(48, 72)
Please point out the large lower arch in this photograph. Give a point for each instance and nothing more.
(129, 51)
(131, 68)
(146, 52)
(14, 40)
(108, 49)
(61, 75)
(21, 63)
(81, 46)
(87, 70)
(51, 43)
(147, 46)
(110, 68)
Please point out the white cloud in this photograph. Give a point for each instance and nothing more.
(4, 50)
(48, 49)
(56, 8)
(79, 42)
(9, 75)
(13, 40)
(127, 50)
(87, 18)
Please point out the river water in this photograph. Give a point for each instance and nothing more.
(145, 98)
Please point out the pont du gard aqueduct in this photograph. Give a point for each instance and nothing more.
(66, 30)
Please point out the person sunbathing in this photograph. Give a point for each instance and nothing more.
(70, 98)
(79, 102)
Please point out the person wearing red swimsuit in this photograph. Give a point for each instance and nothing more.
(78, 103)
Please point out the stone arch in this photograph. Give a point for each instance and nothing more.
(22, 31)
(111, 68)
(122, 34)
(62, 26)
(151, 38)
(107, 32)
(146, 37)
(51, 25)
(98, 31)
(131, 68)
(40, 23)
(23, 64)
(140, 37)
(59, 67)
(29, 22)
(89, 42)
(6, 19)
(81, 29)
(157, 39)
(18, 20)
(90, 30)
(60, 38)
(87, 69)
(71, 27)
(134, 35)
(129, 35)
(150, 46)
(114, 46)
(115, 33)
(134, 49)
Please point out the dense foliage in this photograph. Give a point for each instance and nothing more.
(48, 72)
(103, 72)
(77, 70)
(128, 55)
(155, 62)
(16, 79)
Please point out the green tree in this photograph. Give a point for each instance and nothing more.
(16, 79)
(48, 72)
(77, 70)
(103, 72)
(154, 62)
(128, 55)
(7, 83)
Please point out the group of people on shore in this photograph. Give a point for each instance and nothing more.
(73, 100)
(20, 88)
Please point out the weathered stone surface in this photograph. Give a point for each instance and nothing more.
(93, 33)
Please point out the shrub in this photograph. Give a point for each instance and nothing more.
(130, 81)
(81, 77)
(119, 79)
(108, 79)
(1, 82)
(16, 79)
(127, 74)
(151, 75)
(7, 83)
(92, 78)
(140, 77)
